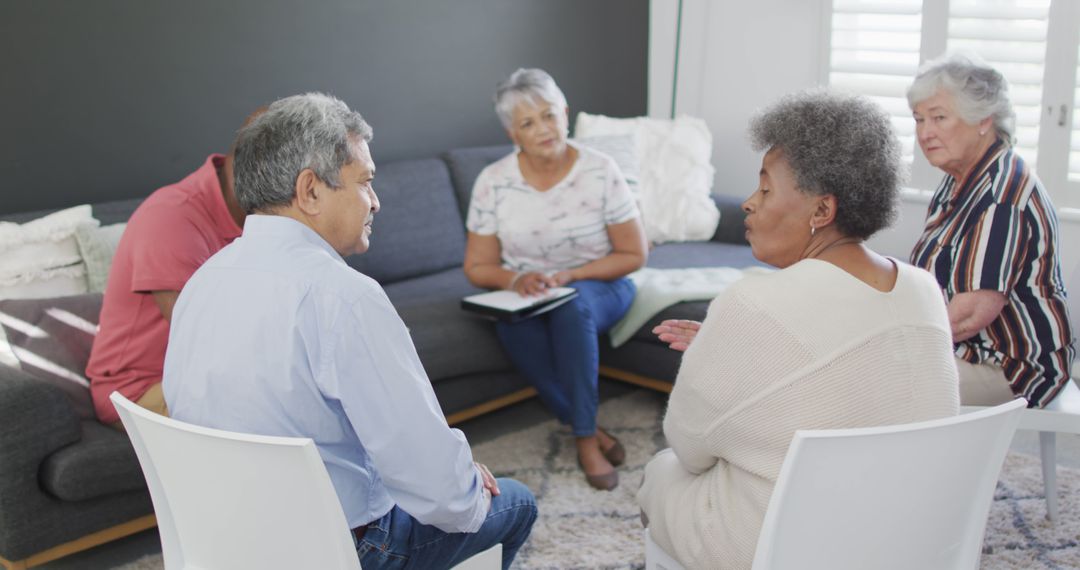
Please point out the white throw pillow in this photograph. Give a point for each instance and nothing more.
(675, 173)
(622, 149)
(98, 246)
(41, 257)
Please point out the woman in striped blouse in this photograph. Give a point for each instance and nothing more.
(990, 238)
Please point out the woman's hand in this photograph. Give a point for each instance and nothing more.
(973, 311)
(564, 278)
(677, 333)
(532, 284)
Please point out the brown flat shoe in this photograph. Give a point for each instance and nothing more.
(604, 481)
(616, 454)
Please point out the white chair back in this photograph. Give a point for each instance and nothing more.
(234, 501)
(896, 497)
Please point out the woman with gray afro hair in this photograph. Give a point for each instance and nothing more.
(841, 145)
(990, 238)
(839, 337)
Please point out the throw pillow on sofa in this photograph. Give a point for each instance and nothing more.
(97, 247)
(50, 339)
(675, 176)
(41, 257)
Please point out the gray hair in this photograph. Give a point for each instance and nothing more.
(837, 144)
(979, 90)
(313, 130)
(526, 85)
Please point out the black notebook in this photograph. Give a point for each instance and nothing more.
(511, 307)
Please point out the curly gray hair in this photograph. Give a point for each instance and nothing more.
(979, 90)
(313, 130)
(526, 85)
(837, 144)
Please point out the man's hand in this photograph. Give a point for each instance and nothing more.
(533, 283)
(677, 333)
(489, 480)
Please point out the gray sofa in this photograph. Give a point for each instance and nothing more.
(68, 483)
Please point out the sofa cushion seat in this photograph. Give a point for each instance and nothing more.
(451, 342)
(702, 254)
(101, 463)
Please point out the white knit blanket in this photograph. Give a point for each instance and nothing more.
(658, 289)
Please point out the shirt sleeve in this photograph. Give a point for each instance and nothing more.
(372, 368)
(992, 253)
(166, 249)
(481, 218)
(619, 202)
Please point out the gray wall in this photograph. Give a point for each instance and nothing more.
(110, 99)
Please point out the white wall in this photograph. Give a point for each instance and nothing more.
(737, 56)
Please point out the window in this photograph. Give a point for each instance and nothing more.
(1011, 36)
(875, 51)
(877, 45)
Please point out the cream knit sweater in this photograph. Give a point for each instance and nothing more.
(808, 347)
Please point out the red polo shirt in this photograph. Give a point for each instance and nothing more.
(168, 237)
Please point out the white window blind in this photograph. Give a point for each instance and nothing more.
(875, 52)
(1011, 36)
(1074, 137)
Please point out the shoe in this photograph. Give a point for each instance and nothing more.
(616, 454)
(604, 481)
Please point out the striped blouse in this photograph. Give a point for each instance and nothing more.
(998, 231)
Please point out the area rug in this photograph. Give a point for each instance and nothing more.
(580, 528)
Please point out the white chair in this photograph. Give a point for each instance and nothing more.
(237, 501)
(1061, 415)
(894, 497)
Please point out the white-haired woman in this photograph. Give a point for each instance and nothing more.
(550, 214)
(990, 238)
(839, 337)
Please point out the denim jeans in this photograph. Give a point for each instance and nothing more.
(558, 352)
(398, 541)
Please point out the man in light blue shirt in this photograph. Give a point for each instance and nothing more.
(276, 335)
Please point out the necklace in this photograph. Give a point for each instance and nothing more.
(841, 241)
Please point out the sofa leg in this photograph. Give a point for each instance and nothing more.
(9, 565)
(89, 541)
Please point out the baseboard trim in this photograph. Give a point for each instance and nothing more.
(651, 383)
(490, 406)
(79, 544)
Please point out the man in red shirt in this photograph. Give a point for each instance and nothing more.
(168, 237)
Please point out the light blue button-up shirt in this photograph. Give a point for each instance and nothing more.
(276, 335)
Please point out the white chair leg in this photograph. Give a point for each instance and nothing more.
(1048, 450)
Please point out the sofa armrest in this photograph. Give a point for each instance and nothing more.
(38, 419)
(730, 229)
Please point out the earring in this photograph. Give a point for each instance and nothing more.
(812, 229)
(982, 133)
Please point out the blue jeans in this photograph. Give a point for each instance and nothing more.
(558, 352)
(398, 541)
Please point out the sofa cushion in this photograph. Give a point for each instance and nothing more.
(51, 339)
(701, 254)
(451, 342)
(446, 284)
(100, 464)
(418, 229)
(465, 166)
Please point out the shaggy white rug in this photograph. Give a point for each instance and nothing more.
(582, 528)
